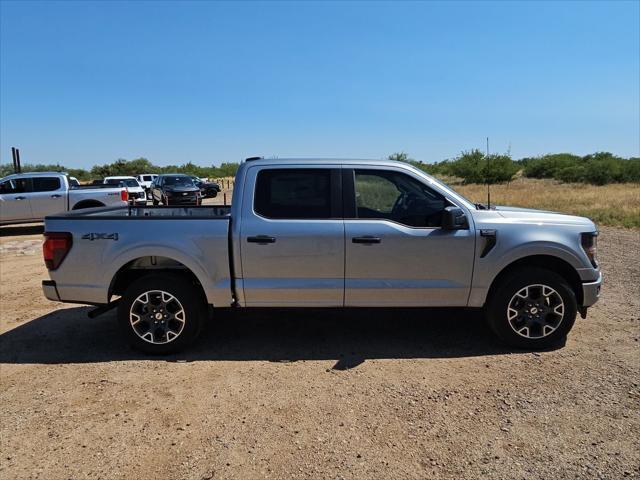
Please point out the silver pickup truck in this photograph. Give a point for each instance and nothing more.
(325, 233)
(29, 197)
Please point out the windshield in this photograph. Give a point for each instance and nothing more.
(179, 181)
(126, 182)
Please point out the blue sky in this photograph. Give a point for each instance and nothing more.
(84, 83)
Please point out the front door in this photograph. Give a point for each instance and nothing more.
(396, 254)
(47, 196)
(292, 237)
(14, 203)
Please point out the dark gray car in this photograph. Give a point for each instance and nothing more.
(175, 189)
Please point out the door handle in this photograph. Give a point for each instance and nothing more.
(20, 198)
(368, 239)
(261, 239)
(55, 195)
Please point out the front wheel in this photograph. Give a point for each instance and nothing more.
(161, 314)
(532, 308)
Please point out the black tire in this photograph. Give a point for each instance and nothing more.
(188, 298)
(155, 202)
(497, 309)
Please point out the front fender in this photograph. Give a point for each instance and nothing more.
(487, 269)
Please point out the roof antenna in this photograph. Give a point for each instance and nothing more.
(487, 178)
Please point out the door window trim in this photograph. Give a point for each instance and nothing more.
(335, 189)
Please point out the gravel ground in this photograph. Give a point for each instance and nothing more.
(317, 394)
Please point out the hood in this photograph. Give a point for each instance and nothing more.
(181, 189)
(530, 215)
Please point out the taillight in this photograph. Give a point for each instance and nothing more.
(589, 245)
(124, 195)
(55, 248)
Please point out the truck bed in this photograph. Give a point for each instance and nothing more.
(195, 238)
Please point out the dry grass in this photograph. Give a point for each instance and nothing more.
(614, 204)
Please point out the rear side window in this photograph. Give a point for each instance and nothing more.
(46, 184)
(293, 193)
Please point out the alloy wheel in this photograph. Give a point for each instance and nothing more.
(157, 317)
(535, 311)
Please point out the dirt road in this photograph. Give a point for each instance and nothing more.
(317, 394)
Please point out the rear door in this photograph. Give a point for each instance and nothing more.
(396, 252)
(47, 196)
(292, 237)
(14, 201)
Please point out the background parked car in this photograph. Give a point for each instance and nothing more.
(145, 180)
(175, 189)
(207, 189)
(137, 194)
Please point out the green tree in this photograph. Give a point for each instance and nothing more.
(475, 167)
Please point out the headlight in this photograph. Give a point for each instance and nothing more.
(589, 244)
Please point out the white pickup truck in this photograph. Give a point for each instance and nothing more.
(29, 197)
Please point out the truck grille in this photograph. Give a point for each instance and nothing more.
(184, 198)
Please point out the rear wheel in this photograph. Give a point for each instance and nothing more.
(532, 308)
(161, 314)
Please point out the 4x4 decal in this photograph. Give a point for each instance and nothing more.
(100, 236)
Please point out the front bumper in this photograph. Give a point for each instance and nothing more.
(186, 200)
(591, 291)
(50, 290)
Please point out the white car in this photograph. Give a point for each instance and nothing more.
(146, 179)
(137, 194)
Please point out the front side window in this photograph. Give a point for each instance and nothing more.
(18, 185)
(293, 193)
(46, 184)
(395, 196)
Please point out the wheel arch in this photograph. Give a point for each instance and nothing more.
(87, 204)
(548, 262)
(142, 266)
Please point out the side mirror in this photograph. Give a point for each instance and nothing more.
(453, 218)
